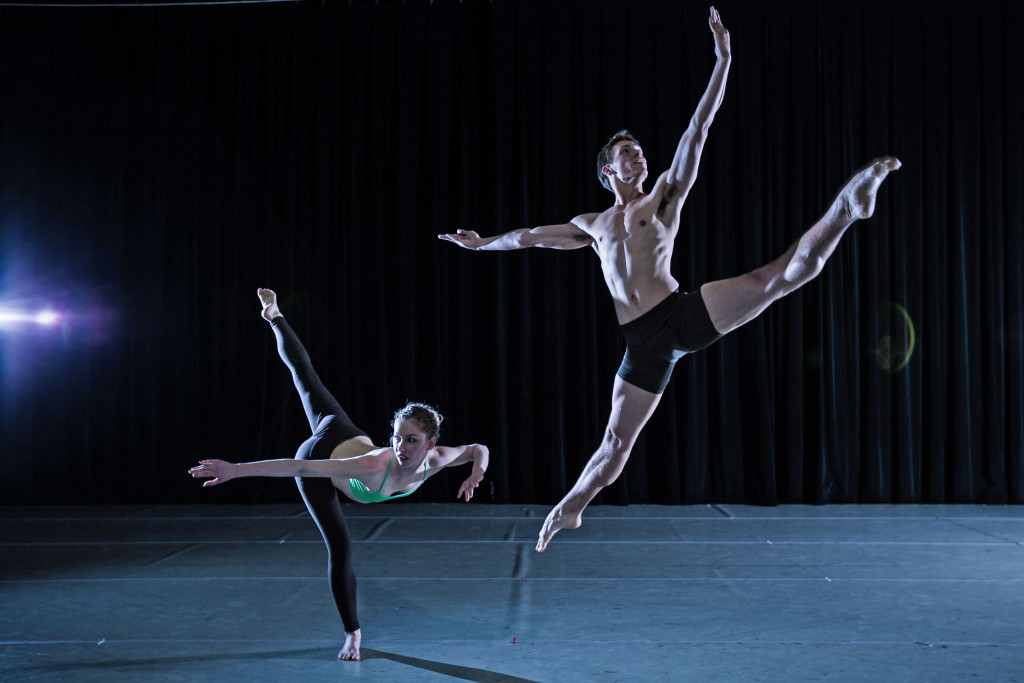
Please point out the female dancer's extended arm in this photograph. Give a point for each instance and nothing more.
(477, 453)
(220, 471)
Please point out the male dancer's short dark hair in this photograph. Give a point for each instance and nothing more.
(604, 156)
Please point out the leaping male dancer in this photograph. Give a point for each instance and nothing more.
(634, 240)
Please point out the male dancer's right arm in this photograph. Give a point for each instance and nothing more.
(566, 236)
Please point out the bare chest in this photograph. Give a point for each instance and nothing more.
(634, 229)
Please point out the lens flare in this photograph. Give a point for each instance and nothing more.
(897, 338)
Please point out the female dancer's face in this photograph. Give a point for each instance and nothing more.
(409, 442)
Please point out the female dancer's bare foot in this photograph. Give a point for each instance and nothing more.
(269, 302)
(857, 199)
(351, 650)
(557, 520)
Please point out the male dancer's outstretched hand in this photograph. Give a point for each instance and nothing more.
(468, 239)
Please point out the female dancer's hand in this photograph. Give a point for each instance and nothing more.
(471, 483)
(217, 471)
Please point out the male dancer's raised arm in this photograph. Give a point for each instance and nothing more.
(683, 171)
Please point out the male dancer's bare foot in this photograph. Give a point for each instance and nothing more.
(351, 650)
(557, 520)
(269, 302)
(857, 198)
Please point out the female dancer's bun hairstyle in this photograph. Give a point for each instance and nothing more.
(427, 416)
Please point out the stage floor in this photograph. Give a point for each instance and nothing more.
(456, 592)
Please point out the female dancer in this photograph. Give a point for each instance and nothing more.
(340, 457)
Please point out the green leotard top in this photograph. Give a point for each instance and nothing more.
(365, 495)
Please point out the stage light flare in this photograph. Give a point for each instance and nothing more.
(47, 318)
(12, 317)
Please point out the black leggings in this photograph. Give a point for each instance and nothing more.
(331, 426)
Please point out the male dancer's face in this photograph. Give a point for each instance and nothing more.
(627, 161)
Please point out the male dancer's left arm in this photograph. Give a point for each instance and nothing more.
(683, 171)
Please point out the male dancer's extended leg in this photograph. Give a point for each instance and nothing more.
(631, 408)
(330, 426)
(738, 300)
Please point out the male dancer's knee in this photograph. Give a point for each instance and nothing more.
(800, 270)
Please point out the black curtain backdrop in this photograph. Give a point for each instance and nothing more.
(158, 164)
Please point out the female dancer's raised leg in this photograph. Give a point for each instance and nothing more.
(330, 426)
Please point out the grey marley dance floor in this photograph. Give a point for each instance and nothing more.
(456, 592)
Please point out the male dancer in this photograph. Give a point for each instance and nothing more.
(634, 240)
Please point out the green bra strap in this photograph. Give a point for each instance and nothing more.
(378, 491)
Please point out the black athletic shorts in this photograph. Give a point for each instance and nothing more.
(656, 340)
